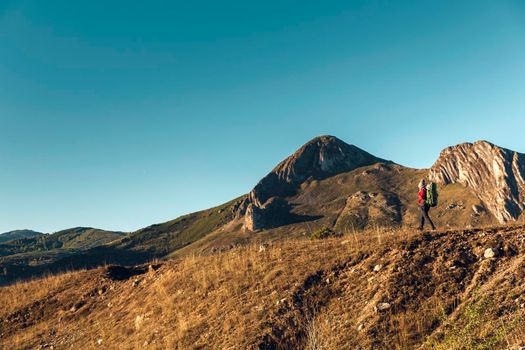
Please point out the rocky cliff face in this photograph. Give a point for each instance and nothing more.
(320, 158)
(496, 175)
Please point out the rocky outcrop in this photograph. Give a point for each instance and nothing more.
(318, 159)
(274, 211)
(369, 209)
(496, 175)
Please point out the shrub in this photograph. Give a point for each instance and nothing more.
(324, 232)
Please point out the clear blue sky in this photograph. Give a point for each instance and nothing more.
(121, 114)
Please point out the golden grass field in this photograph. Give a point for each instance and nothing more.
(307, 294)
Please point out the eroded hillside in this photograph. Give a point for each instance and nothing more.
(381, 289)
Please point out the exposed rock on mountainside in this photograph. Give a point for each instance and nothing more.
(275, 210)
(322, 157)
(366, 209)
(496, 175)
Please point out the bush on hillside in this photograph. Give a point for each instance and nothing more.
(324, 232)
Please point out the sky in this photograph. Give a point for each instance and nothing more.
(122, 114)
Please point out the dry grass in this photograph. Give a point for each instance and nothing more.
(23, 293)
(295, 293)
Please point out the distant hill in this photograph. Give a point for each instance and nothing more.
(18, 234)
(33, 255)
(78, 238)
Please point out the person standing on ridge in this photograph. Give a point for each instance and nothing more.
(424, 207)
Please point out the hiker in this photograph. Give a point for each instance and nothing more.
(423, 205)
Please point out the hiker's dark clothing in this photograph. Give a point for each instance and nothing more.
(423, 216)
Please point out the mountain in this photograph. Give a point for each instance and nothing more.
(496, 175)
(318, 159)
(18, 234)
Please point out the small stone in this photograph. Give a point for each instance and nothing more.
(327, 281)
(360, 327)
(99, 341)
(490, 253)
(138, 321)
(382, 306)
(378, 267)
(477, 209)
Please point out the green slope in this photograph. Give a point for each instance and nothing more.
(161, 239)
(78, 238)
(26, 257)
(18, 234)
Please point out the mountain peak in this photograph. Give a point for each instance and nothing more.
(319, 158)
(325, 139)
(485, 142)
(495, 174)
